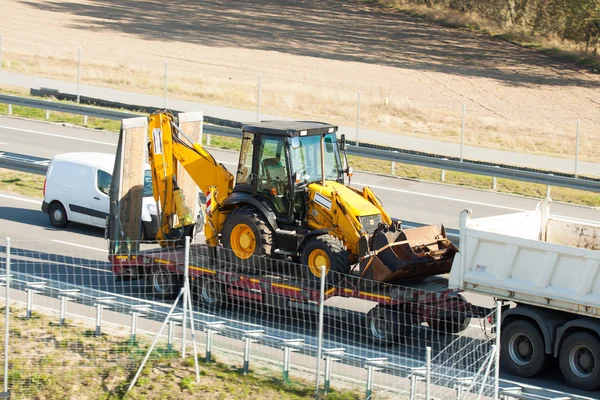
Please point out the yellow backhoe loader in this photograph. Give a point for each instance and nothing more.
(289, 199)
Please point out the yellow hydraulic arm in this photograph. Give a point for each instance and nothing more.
(165, 150)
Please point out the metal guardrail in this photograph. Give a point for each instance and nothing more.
(550, 178)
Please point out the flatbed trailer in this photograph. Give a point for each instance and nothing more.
(389, 308)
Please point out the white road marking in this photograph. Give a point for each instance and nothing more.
(4, 143)
(38, 202)
(80, 245)
(442, 197)
(59, 136)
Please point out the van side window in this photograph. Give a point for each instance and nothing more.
(104, 180)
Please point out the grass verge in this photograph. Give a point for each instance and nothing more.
(31, 185)
(22, 183)
(48, 361)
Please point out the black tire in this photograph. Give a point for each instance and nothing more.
(58, 215)
(522, 349)
(382, 326)
(210, 293)
(257, 223)
(162, 284)
(579, 360)
(331, 248)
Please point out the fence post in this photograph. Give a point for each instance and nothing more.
(10, 109)
(320, 337)
(577, 148)
(247, 342)
(428, 373)
(166, 83)
(64, 295)
(78, 75)
(7, 314)
(462, 132)
(369, 393)
(497, 354)
(186, 263)
(393, 169)
(357, 117)
(494, 183)
(47, 114)
(258, 98)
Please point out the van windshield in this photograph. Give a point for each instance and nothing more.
(147, 184)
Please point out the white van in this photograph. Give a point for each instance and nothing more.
(76, 190)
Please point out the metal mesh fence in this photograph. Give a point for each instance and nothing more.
(252, 312)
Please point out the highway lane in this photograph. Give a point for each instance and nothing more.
(410, 200)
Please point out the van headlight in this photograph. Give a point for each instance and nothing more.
(151, 208)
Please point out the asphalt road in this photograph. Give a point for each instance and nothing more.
(408, 200)
(78, 253)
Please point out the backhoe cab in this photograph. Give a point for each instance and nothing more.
(289, 199)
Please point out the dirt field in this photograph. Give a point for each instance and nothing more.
(314, 56)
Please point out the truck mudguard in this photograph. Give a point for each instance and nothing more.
(584, 323)
(547, 321)
(240, 198)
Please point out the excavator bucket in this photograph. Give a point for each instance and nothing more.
(408, 254)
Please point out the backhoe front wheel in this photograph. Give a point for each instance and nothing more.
(246, 233)
(325, 251)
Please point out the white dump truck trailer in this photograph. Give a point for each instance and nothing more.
(547, 268)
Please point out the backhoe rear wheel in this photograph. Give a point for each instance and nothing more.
(246, 233)
(327, 251)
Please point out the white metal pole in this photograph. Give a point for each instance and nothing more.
(577, 148)
(320, 337)
(428, 373)
(258, 98)
(186, 264)
(7, 315)
(462, 132)
(497, 353)
(78, 75)
(357, 116)
(166, 82)
(189, 297)
(153, 345)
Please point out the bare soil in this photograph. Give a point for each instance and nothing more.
(309, 50)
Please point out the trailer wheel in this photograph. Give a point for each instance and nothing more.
(382, 326)
(522, 349)
(162, 283)
(211, 293)
(579, 360)
(327, 251)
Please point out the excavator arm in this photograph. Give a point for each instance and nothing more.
(165, 149)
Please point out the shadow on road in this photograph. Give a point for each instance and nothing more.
(39, 218)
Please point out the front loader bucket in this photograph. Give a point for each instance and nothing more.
(409, 254)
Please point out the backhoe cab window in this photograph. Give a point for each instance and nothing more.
(244, 173)
(273, 175)
(306, 159)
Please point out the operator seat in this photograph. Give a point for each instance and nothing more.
(277, 178)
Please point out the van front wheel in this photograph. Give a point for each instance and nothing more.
(58, 215)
